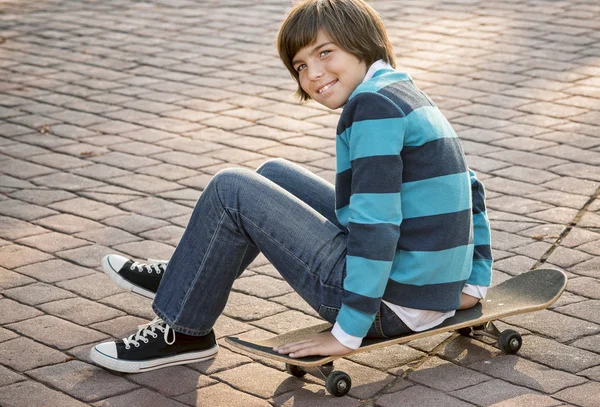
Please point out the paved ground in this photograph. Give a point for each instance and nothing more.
(115, 114)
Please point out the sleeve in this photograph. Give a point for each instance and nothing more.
(481, 273)
(375, 134)
(349, 341)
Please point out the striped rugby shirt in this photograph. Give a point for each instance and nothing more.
(418, 229)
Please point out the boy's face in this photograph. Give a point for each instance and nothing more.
(328, 73)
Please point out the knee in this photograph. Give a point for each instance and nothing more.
(273, 165)
(231, 178)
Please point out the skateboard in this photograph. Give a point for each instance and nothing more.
(531, 291)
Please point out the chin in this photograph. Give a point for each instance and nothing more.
(333, 105)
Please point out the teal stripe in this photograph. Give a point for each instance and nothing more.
(366, 277)
(343, 215)
(342, 155)
(380, 81)
(376, 208)
(481, 229)
(435, 196)
(444, 266)
(429, 124)
(354, 322)
(482, 273)
(384, 71)
(376, 137)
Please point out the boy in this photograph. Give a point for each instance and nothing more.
(399, 244)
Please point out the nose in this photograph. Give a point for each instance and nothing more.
(315, 72)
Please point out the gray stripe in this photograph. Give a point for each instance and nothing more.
(482, 252)
(435, 233)
(343, 188)
(367, 106)
(478, 197)
(406, 95)
(443, 156)
(367, 241)
(377, 174)
(436, 297)
(361, 303)
(381, 174)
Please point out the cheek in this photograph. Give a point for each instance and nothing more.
(303, 83)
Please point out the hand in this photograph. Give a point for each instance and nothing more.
(323, 344)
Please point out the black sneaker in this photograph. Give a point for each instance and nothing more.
(137, 277)
(154, 346)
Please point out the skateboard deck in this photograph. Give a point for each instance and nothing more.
(531, 291)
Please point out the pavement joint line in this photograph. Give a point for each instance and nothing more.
(573, 223)
(581, 337)
(413, 366)
(70, 359)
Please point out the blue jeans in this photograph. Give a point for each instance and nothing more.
(282, 210)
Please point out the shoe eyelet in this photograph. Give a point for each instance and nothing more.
(137, 345)
(146, 340)
(127, 347)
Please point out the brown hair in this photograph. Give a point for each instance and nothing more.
(351, 24)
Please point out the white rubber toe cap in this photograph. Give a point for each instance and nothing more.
(107, 349)
(113, 262)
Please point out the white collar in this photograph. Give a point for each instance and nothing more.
(376, 66)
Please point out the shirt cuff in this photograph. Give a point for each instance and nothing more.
(349, 341)
(477, 291)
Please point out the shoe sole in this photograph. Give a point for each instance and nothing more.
(121, 282)
(125, 366)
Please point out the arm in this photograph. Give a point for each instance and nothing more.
(374, 137)
(481, 273)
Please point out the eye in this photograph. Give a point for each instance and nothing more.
(324, 53)
(300, 67)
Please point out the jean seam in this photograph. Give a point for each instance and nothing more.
(328, 309)
(379, 325)
(197, 275)
(326, 261)
(180, 328)
(269, 237)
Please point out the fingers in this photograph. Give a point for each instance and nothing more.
(308, 351)
(322, 344)
(285, 346)
(293, 348)
(305, 349)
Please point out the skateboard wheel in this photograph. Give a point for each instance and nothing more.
(465, 331)
(510, 341)
(294, 370)
(338, 383)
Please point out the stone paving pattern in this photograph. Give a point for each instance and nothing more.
(115, 114)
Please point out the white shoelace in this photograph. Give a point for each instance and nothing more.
(148, 329)
(157, 267)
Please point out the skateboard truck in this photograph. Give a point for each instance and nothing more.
(509, 341)
(337, 383)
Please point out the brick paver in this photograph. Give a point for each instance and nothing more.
(114, 117)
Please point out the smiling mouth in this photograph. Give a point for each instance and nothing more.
(326, 87)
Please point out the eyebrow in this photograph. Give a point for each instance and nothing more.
(315, 49)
